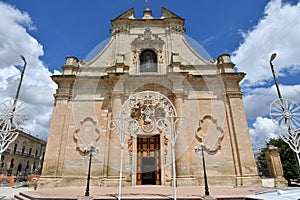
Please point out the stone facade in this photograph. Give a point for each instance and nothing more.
(24, 155)
(153, 55)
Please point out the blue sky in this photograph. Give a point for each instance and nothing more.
(76, 27)
(47, 31)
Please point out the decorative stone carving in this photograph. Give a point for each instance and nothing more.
(130, 150)
(147, 40)
(166, 141)
(210, 133)
(135, 57)
(178, 29)
(82, 63)
(160, 57)
(86, 134)
(148, 34)
(121, 29)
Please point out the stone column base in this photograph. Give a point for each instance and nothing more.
(280, 182)
(248, 181)
(186, 181)
(45, 182)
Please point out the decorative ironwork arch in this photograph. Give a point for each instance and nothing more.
(147, 108)
(148, 111)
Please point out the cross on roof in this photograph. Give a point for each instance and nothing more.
(147, 3)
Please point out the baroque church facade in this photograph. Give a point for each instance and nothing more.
(145, 101)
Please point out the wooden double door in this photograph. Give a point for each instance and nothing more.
(148, 161)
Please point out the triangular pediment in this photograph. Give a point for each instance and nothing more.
(129, 14)
(171, 17)
(168, 14)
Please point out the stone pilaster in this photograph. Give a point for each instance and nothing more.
(114, 142)
(274, 166)
(246, 171)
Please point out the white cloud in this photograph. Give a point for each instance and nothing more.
(263, 129)
(258, 100)
(278, 31)
(257, 106)
(37, 87)
(56, 72)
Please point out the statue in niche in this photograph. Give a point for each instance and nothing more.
(210, 133)
(87, 134)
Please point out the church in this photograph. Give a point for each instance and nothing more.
(143, 104)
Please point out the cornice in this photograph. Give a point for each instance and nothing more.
(235, 76)
(63, 78)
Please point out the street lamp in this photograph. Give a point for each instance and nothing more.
(198, 149)
(92, 150)
(20, 83)
(286, 117)
(273, 56)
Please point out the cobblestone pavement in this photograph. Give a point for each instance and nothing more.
(7, 193)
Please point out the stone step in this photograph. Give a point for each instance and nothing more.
(20, 196)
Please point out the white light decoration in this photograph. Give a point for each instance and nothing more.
(146, 112)
(12, 116)
(13, 113)
(286, 114)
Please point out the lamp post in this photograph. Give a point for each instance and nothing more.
(91, 151)
(198, 149)
(273, 56)
(287, 117)
(20, 83)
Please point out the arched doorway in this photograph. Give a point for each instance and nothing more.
(150, 110)
(146, 114)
